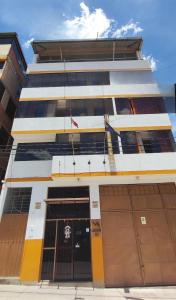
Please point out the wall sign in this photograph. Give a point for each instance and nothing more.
(143, 221)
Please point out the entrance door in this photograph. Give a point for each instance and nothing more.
(66, 253)
(72, 251)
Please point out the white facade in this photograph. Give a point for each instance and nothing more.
(127, 79)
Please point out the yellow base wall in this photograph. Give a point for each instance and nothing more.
(97, 260)
(31, 260)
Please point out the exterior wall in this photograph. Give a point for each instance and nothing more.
(32, 253)
(88, 123)
(106, 91)
(88, 66)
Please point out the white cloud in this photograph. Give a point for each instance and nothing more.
(88, 24)
(131, 27)
(28, 43)
(153, 62)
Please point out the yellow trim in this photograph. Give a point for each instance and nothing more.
(91, 174)
(120, 173)
(89, 97)
(3, 57)
(97, 260)
(86, 70)
(31, 260)
(59, 131)
(26, 179)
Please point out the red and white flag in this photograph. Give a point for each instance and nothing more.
(73, 122)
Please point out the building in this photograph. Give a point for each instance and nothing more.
(12, 67)
(82, 202)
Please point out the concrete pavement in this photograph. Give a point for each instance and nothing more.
(37, 292)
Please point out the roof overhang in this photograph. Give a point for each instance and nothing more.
(74, 48)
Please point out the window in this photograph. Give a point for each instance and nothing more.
(66, 144)
(17, 200)
(68, 79)
(10, 109)
(123, 106)
(157, 141)
(65, 108)
(129, 142)
(148, 105)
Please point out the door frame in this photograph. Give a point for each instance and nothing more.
(65, 201)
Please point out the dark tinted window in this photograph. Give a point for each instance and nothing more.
(66, 144)
(157, 141)
(68, 192)
(146, 105)
(129, 142)
(17, 200)
(64, 108)
(68, 79)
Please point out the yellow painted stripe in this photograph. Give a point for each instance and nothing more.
(79, 130)
(3, 57)
(97, 259)
(119, 173)
(27, 179)
(102, 96)
(31, 260)
(91, 174)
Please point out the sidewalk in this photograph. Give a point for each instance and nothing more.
(24, 292)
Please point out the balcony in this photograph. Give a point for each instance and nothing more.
(126, 65)
(102, 165)
(52, 125)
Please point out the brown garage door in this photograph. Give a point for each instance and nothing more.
(12, 234)
(139, 234)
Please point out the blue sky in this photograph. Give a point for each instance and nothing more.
(47, 19)
(154, 20)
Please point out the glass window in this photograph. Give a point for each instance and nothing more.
(17, 200)
(32, 109)
(66, 144)
(123, 106)
(157, 141)
(129, 142)
(148, 105)
(68, 79)
(64, 108)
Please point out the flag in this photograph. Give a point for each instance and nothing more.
(73, 122)
(110, 129)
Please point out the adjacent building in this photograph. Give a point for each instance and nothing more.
(12, 68)
(89, 193)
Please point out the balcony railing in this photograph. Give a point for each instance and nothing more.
(46, 151)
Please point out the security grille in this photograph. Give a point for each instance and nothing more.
(17, 200)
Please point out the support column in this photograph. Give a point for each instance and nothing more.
(32, 253)
(96, 237)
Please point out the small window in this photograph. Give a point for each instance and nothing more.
(123, 106)
(17, 200)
